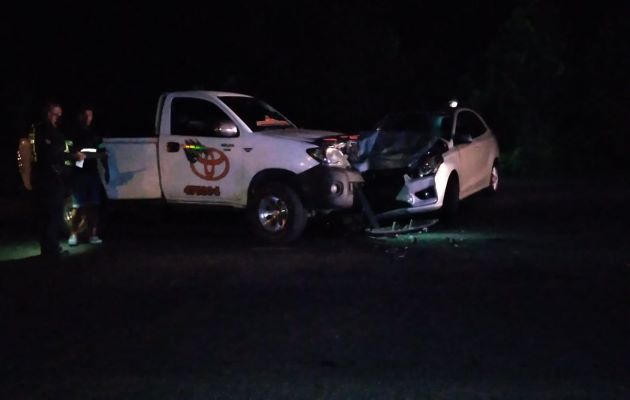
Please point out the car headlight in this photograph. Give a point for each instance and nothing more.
(429, 165)
(426, 165)
(330, 156)
(429, 162)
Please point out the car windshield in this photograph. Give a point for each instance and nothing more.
(423, 123)
(408, 132)
(256, 114)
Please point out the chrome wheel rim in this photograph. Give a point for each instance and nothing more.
(494, 178)
(68, 213)
(273, 214)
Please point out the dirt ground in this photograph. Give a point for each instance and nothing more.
(526, 296)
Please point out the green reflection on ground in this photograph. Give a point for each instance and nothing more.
(438, 238)
(19, 250)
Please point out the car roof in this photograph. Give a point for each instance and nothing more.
(211, 93)
(435, 111)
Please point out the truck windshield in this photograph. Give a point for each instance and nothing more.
(256, 114)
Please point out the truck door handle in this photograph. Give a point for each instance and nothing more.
(172, 147)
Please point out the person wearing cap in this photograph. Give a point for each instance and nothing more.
(50, 173)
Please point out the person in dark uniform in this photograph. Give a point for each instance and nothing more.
(50, 174)
(87, 189)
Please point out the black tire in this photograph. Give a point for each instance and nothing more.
(493, 184)
(450, 203)
(276, 213)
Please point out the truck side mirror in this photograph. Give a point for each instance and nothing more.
(226, 129)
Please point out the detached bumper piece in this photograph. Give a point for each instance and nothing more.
(327, 188)
(397, 228)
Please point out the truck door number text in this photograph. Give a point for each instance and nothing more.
(193, 190)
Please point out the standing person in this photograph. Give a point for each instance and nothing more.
(50, 172)
(87, 190)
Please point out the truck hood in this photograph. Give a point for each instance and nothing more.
(300, 135)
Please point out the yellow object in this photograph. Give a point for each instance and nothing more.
(25, 159)
(26, 156)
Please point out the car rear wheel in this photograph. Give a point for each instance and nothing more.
(493, 185)
(276, 213)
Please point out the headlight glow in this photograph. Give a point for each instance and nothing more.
(330, 156)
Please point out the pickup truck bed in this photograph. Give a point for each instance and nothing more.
(133, 168)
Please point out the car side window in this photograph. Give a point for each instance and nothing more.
(469, 123)
(477, 128)
(196, 117)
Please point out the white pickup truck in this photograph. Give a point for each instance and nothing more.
(227, 149)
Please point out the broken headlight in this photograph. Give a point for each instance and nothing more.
(329, 156)
(428, 163)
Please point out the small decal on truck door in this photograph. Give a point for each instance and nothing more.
(207, 163)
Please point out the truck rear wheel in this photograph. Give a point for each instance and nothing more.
(69, 212)
(276, 213)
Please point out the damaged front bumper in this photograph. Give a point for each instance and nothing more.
(329, 188)
(418, 192)
(415, 196)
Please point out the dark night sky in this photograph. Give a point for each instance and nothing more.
(323, 64)
(296, 56)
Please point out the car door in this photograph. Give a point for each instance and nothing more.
(197, 161)
(462, 141)
(482, 145)
(469, 140)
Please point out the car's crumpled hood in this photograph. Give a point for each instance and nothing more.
(301, 135)
(391, 150)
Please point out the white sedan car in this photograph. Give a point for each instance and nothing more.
(416, 162)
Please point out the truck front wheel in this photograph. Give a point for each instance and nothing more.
(276, 213)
